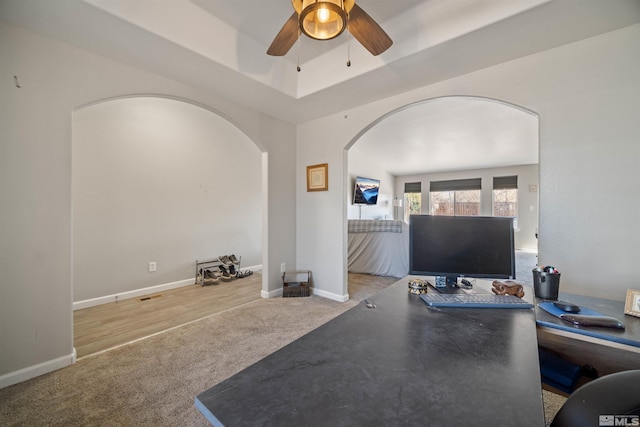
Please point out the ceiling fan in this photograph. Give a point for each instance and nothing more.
(327, 19)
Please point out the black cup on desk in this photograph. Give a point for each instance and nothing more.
(546, 284)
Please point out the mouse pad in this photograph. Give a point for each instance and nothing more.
(555, 311)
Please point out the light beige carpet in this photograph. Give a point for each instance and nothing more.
(153, 382)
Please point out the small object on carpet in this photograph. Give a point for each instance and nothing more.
(295, 290)
(296, 284)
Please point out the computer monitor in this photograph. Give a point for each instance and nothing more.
(454, 246)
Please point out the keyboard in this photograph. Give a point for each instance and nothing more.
(475, 301)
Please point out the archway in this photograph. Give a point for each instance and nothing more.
(163, 181)
(445, 138)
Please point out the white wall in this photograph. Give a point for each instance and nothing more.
(586, 95)
(525, 235)
(155, 179)
(36, 329)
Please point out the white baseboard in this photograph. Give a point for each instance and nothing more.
(330, 295)
(29, 372)
(132, 294)
(271, 294)
(142, 291)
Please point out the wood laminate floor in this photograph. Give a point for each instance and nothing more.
(106, 326)
(110, 325)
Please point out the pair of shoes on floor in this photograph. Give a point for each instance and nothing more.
(245, 273)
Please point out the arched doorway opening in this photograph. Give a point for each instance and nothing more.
(445, 138)
(158, 183)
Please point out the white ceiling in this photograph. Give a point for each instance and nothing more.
(224, 42)
(452, 134)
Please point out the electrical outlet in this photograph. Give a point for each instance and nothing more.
(283, 267)
(152, 266)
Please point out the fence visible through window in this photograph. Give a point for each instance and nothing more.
(455, 203)
(412, 205)
(505, 202)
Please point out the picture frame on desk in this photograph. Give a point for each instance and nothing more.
(632, 304)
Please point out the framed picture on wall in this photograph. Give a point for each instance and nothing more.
(632, 305)
(318, 177)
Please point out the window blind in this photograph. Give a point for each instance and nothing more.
(412, 187)
(457, 185)
(505, 182)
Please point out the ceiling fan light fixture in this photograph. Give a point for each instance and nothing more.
(327, 19)
(322, 20)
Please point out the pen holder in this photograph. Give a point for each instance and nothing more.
(546, 285)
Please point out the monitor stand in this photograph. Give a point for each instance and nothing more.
(453, 288)
(450, 288)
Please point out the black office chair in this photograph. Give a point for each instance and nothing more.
(608, 396)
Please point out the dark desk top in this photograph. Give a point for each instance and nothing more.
(401, 363)
(629, 336)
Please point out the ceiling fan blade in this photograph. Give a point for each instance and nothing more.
(368, 32)
(286, 37)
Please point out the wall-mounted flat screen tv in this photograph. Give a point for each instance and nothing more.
(454, 246)
(366, 191)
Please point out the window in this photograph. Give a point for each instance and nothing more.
(412, 199)
(505, 197)
(459, 197)
(505, 202)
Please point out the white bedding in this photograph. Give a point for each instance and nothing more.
(378, 252)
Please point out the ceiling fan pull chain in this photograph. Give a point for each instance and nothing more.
(298, 67)
(348, 42)
(348, 45)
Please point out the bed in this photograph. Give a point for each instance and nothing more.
(378, 247)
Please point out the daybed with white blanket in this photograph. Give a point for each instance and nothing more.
(378, 247)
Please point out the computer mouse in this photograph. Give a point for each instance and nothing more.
(567, 306)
